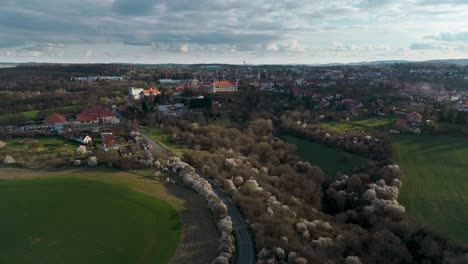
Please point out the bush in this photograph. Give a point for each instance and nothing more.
(9, 160)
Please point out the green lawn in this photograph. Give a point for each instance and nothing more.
(327, 158)
(164, 138)
(364, 124)
(70, 220)
(40, 151)
(39, 114)
(435, 190)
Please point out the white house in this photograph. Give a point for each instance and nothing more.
(85, 140)
(135, 92)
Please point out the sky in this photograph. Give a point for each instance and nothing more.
(232, 31)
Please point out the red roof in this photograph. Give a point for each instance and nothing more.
(108, 139)
(414, 114)
(151, 91)
(97, 112)
(401, 122)
(55, 118)
(86, 117)
(223, 83)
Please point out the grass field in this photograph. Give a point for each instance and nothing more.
(71, 219)
(38, 114)
(325, 157)
(163, 138)
(40, 151)
(435, 190)
(364, 124)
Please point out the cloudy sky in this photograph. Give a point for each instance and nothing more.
(231, 31)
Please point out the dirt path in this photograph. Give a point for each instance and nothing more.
(199, 237)
(199, 241)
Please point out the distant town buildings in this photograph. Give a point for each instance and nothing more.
(138, 93)
(223, 86)
(170, 81)
(97, 78)
(172, 110)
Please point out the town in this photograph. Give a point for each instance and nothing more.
(312, 157)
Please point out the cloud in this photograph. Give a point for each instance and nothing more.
(296, 46)
(199, 29)
(422, 46)
(460, 36)
(133, 7)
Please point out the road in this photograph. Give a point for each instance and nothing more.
(244, 244)
(245, 253)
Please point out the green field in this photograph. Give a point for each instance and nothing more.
(327, 158)
(359, 125)
(163, 138)
(39, 114)
(70, 220)
(40, 151)
(435, 190)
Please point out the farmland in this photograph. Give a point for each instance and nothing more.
(327, 158)
(435, 190)
(70, 220)
(364, 124)
(198, 235)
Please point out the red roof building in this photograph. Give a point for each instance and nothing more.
(223, 86)
(109, 141)
(86, 118)
(401, 122)
(55, 118)
(97, 115)
(414, 117)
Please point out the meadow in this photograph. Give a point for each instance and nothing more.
(39, 114)
(163, 138)
(327, 158)
(40, 151)
(435, 189)
(74, 217)
(358, 125)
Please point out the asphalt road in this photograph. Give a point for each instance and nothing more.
(244, 244)
(245, 253)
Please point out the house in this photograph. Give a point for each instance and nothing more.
(222, 86)
(138, 93)
(401, 122)
(86, 119)
(145, 146)
(134, 92)
(324, 103)
(150, 91)
(109, 141)
(83, 139)
(414, 117)
(351, 103)
(96, 115)
(55, 119)
(172, 110)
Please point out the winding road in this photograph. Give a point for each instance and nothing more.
(244, 245)
(245, 253)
